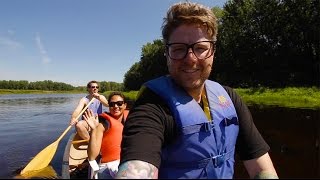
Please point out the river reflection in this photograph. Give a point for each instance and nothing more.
(29, 123)
(293, 136)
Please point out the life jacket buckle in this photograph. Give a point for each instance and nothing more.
(208, 126)
(233, 120)
(218, 160)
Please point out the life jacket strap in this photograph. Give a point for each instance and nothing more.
(215, 161)
(233, 120)
(203, 127)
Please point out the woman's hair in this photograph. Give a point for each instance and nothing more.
(189, 13)
(116, 93)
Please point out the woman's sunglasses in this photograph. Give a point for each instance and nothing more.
(118, 103)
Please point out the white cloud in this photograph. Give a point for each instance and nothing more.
(44, 55)
(7, 42)
(10, 32)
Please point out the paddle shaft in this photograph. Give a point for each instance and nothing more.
(82, 111)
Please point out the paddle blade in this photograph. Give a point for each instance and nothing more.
(42, 159)
(45, 173)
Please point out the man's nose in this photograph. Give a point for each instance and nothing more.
(190, 55)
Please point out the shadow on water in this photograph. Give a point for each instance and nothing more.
(293, 136)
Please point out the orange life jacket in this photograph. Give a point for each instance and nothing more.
(111, 140)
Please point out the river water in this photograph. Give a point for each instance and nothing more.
(29, 123)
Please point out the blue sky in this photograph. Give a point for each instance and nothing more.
(75, 41)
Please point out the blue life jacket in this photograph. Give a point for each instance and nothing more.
(203, 148)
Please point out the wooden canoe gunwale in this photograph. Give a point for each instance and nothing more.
(74, 155)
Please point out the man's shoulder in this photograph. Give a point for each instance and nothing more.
(230, 91)
(83, 101)
(147, 95)
(227, 88)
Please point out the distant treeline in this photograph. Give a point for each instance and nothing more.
(48, 85)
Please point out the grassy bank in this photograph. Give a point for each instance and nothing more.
(284, 97)
(14, 91)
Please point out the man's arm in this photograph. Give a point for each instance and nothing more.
(76, 112)
(136, 169)
(101, 98)
(261, 168)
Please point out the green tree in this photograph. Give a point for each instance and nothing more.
(272, 43)
(132, 78)
(151, 65)
(153, 62)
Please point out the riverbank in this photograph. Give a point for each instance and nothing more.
(15, 91)
(291, 97)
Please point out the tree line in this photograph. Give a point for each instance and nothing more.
(49, 85)
(272, 43)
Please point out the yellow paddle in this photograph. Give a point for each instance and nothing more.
(42, 159)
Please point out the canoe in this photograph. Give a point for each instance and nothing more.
(75, 164)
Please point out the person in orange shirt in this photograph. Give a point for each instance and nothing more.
(106, 136)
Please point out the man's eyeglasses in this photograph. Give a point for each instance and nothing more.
(94, 87)
(201, 49)
(118, 103)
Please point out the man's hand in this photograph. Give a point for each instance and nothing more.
(97, 96)
(101, 98)
(73, 121)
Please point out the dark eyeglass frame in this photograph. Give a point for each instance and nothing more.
(118, 103)
(213, 47)
(94, 87)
